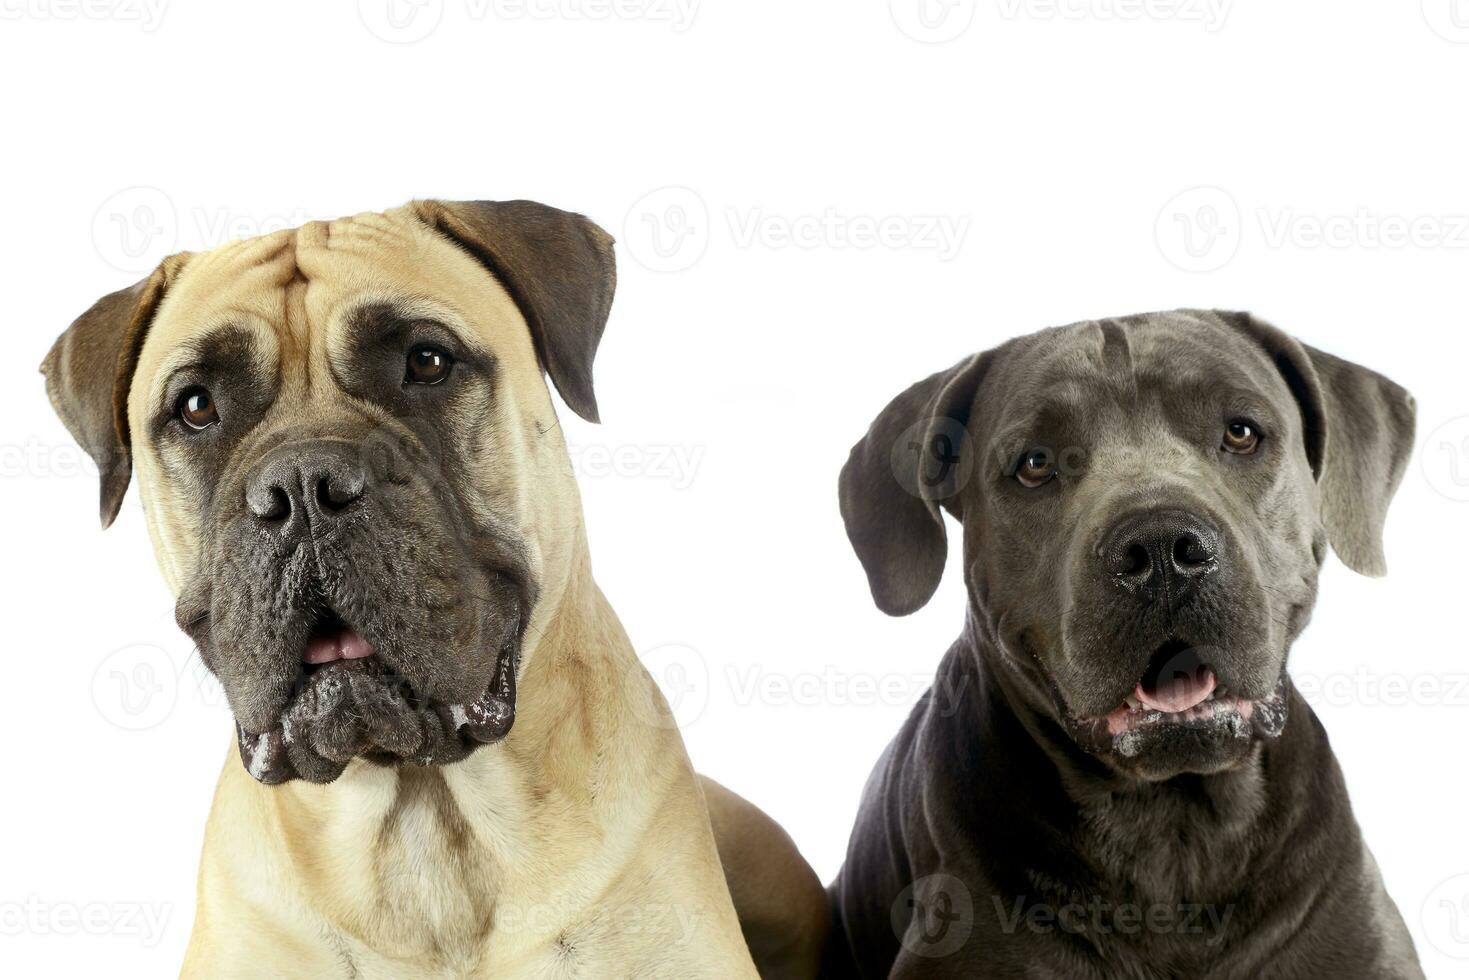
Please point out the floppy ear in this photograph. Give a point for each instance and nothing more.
(559, 269)
(1359, 432)
(90, 369)
(914, 459)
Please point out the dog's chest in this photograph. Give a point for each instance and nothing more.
(423, 890)
(442, 898)
(1101, 934)
(435, 875)
(1155, 904)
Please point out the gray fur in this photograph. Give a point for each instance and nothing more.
(1019, 794)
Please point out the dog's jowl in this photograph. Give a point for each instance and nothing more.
(447, 758)
(1127, 784)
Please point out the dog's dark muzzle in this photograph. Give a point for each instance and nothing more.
(349, 611)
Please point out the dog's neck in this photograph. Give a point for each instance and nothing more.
(1193, 838)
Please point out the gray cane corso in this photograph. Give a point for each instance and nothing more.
(1130, 787)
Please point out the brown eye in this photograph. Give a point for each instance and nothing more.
(427, 366)
(1036, 467)
(197, 409)
(1241, 438)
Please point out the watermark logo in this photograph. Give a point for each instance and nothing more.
(1448, 18)
(1199, 230)
(933, 916)
(1446, 917)
(401, 21)
(134, 228)
(932, 459)
(136, 688)
(932, 21)
(682, 675)
(668, 229)
(1445, 459)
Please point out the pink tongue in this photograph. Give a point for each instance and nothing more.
(1179, 692)
(346, 645)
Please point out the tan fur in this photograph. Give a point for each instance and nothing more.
(580, 846)
(782, 906)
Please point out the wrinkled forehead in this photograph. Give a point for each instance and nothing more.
(1130, 367)
(294, 294)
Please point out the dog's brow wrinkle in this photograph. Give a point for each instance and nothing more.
(1116, 351)
(286, 244)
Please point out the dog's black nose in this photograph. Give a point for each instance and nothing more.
(306, 483)
(1160, 552)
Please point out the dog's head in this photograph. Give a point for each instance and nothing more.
(1146, 504)
(351, 465)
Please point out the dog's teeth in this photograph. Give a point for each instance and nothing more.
(1133, 704)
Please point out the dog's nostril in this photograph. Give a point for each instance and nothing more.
(270, 504)
(1135, 561)
(1191, 552)
(332, 496)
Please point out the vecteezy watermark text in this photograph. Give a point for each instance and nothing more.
(1202, 229)
(670, 229)
(1211, 14)
(941, 234)
(147, 14)
(1096, 915)
(676, 465)
(407, 21)
(33, 915)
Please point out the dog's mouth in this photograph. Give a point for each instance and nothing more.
(349, 702)
(1180, 699)
(331, 640)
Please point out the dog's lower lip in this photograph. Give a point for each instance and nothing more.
(389, 722)
(1135, 713)
(1133, 729)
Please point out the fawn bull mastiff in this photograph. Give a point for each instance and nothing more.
(449, 761)
(1114, 777)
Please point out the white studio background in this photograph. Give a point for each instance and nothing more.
(817, 204)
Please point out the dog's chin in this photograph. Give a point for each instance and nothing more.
(1215, 735)
(361, 708)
